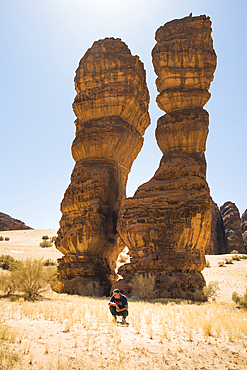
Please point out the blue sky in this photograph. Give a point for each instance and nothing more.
(41, 44)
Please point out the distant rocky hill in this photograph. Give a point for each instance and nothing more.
(228, 231)
(9, 223)
(244, 227)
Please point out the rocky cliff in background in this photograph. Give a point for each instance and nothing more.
(218, 242)
(111, 106)
(232, 225)
(9, 223)
(244, 228)
(166, 224)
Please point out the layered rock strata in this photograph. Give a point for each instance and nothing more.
(111, 106)
(9, 223)
(166, 224)
(231, 218)
(217, 243)
(244, 228)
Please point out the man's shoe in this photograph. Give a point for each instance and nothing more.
(124, 322)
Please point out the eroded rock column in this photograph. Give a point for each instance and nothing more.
(167, 224)
(111, 106)
(232, 224)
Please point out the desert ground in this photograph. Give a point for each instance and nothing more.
(71, 332)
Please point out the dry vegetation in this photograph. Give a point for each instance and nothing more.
(62, 332)
(71, 332)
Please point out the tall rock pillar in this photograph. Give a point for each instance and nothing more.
(111, 106)
(167, 224)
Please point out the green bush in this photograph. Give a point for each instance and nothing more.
(208, 292)
(30, 277)
(6, 239)
(234, 252)
(240, 300)
(45, 237)
(46, 244)
(1, 238)
(236, 257)
(7, 262)
(143, 286)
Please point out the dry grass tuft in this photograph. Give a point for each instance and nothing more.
(160, 335)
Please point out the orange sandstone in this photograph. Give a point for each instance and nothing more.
(111, 106)
(167, 223)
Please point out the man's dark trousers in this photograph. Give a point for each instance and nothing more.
(115, 313)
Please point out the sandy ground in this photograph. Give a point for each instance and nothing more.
(71, 332)
(25, 244)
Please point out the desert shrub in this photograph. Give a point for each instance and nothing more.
(56, 285)
(123, 258)
(221, 263)
(236, 257)
(6, 238)
(243, 256)
(30, 277)
(207, 292)
(207, 263)
(49, 262)
(1, 238)
(234, 252)
(46, 244)
(228, 260)
(143, 286)
(45, 237)
(91, 289)
(53, 239)
(33, 278)
(8, 284)
(7, 262)
(8, 358)
(240, 300)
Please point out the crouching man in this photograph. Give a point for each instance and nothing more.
(119, 306)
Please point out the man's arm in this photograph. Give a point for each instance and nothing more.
(111, 303)
(121, 309)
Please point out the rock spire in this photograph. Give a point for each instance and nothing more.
(111, 106)
(232, 224)
(167, 223)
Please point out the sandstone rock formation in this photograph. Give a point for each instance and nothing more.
(166, 224)
(244, 228)
(9, 223)
(231, 218)
(111, 106)
(218, 242)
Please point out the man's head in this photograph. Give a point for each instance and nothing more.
(116, 293)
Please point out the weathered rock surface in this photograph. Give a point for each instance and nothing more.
(244, 228)
(217, 243)
(111, 106)
(231, 218)
(9, 223)
(166, 224)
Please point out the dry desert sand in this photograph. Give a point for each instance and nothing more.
(71, 332)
